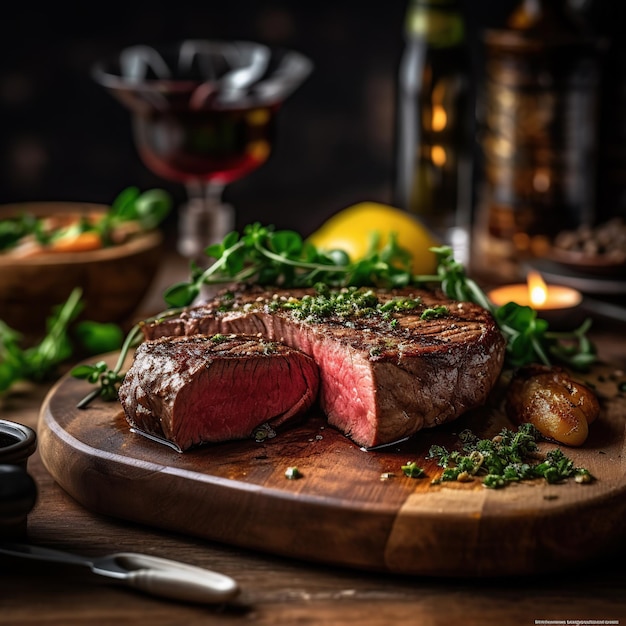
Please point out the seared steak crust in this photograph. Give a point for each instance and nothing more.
(379, 381)
(193, 390)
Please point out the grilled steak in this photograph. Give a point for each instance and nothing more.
(192, 390)
(385, 372)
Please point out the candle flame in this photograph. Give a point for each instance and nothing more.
(537, 289)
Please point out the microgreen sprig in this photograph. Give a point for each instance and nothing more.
(528, 338)
(108, 380)
(282, 258)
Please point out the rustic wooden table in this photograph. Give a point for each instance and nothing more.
(277, 590)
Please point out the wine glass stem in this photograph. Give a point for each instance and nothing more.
(204, 220)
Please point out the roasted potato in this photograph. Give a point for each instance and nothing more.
(558, 406)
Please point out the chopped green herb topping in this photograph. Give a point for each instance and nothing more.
(412, 470)
(263, 432)
(293, 473)
(346, 303)
(432, 313)
(269, 347)
(509, 457)
(227, 300)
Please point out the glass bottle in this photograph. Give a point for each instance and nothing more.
(538, 134)
(434, 122)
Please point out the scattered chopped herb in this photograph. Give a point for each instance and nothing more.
(622, 386)
(219, 338)
(509, 457)
(582, 476)
(227, 300)
(269, 347)
(435, 312)
(263, 432)
(293, 473)
(412, 470)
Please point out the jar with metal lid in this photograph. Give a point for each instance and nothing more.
(538, 134)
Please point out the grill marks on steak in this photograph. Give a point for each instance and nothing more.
(378, 383)
(193, 390)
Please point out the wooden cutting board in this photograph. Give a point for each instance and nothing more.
(350, 507)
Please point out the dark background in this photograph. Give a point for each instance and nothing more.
(62, 137)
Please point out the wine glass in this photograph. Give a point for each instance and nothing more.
(203, 115)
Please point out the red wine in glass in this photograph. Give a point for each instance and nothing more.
(207, 145)
(203, 115)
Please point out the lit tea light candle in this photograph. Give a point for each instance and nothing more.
(537, 295)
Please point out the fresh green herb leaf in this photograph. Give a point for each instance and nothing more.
(152, 207)
(14, 229)
(181, 294)
(39, 362)
(108, 380)
(97, 338)
(123, 206)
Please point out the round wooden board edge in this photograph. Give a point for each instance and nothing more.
(446, 543)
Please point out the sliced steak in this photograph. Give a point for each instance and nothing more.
(382, 377)
(193, 390)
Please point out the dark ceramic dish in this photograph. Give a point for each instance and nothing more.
(18, 491)
(599, 264)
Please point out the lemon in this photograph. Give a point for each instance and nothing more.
(351, 230)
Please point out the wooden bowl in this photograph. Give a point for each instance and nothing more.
(114, 280)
